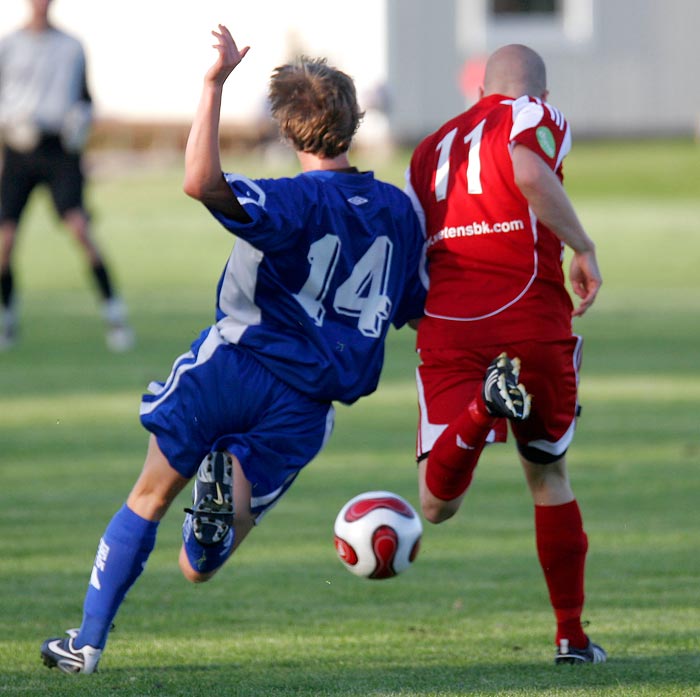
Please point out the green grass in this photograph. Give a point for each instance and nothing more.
(284, 618)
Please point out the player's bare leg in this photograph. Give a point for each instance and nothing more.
(8, 235)
(435, 510)
(548, 484)
(120, 336)
(77, 222)
(8, 311)
(157, 485)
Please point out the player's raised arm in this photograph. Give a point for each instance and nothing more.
(550, 203)
(203, 177)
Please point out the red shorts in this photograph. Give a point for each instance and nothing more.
(448, 380)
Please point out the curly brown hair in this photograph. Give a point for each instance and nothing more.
(315, 106)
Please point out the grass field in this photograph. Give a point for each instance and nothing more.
(284, 618)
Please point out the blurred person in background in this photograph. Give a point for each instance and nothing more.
(45, 118)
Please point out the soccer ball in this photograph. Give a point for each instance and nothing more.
(377, 534)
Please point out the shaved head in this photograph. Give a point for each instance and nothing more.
(515, 70)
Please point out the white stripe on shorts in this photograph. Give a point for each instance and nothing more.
(428, 432)
(560, 446)
(206, 350)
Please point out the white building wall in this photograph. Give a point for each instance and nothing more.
(615, 67)
(423, 65)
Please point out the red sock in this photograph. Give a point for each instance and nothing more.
(456, 452)
(561, 547)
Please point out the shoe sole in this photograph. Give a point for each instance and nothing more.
(212, 514)
(503, 376)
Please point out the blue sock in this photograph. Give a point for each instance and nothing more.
(121, 557)
(201, 558)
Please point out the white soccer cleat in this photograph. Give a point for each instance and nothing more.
(120, 336)
(120, 339)
(61, 654)
(568, 654)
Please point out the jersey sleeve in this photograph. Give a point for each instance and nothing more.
(542, 128)
(412, 301)
(419, 182)
(274, 207)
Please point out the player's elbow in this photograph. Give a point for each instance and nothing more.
(525, 181)
(210, 188)
(192, 186)
(413, 323)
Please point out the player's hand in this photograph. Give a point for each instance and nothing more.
(585, 279)
(229, 56)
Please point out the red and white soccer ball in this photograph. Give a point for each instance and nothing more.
(377, 534)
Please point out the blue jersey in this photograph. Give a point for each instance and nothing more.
(327, 262)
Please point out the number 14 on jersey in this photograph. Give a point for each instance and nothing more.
(363, 294)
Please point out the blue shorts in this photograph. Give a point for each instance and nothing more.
(219, 397)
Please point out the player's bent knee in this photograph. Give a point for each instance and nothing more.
(191, 574)
(436, 515)
(436, 510)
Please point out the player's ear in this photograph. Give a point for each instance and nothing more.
(544, 95)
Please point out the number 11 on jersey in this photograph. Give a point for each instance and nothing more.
(444, 148)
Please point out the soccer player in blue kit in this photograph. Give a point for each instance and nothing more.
(323, 263)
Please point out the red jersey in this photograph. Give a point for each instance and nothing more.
(495, 271)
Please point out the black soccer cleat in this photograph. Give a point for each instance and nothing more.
(212, 499)
(591, 654)
(503, 394)
(60, 653)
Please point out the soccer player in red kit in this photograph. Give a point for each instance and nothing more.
(488, 187)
